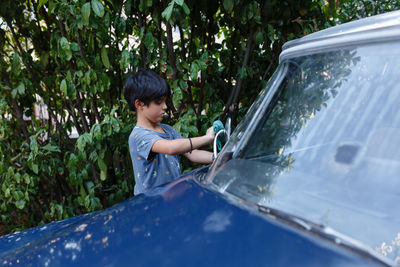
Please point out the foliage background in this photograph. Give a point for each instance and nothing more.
(72, 57)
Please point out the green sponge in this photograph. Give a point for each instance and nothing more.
(218, 126)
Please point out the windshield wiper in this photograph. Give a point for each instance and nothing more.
(327, 233)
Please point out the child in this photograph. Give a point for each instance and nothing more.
(154, 147)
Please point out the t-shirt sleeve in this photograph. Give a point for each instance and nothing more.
(144, 141)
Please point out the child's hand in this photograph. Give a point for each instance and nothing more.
(210, 133)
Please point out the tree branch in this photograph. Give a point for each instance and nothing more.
(231, 59)
(201, 99)
(143, 49)
(183, 43)
(265, 74)
(171, 52)
(80, 110)
(58, 125)
(236, 90)
(96, 112)
(81, 51)
(189, 90)
(70, 108)
(18, 111)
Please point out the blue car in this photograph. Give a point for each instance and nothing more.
(310, 177)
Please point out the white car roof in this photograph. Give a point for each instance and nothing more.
(384, 27)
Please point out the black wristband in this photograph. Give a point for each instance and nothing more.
(191, 145)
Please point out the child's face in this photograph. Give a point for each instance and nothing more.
(156, 110)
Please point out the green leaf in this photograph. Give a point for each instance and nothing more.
(65, 49)
(202, 65)
(193, 130)
(44, 59)
(86, 79)
(75, 47)
(96, 132)
(41, 3)
(94, 202)
(186, 9)
(177, 96)
(82, 191)
(34, 146)
(258, 37)
(27, 179)
(87, 201)
(107, 20)
(102, 165)
(14, 93)
(93, 156)
(20, 90)
(148, 40)
(53, 6)
(35, 168)
(183, 84)
(64, 43)
(105, 82)
(104, 57)
(103, 175)
(98, 8)
(168, 11)
(18, 195)
(194, 69)
(78, 74)
(63, 87)
(68, 54)
(16, 64)
(125, 59)
(179, 2)
(85, 10)
(20, 204)
(17, 178)
(51, 148)
(121, 25)
(60, 211)
(90, 187)
(7, 193)
(82, 141)
(3, 207)
(228, 5)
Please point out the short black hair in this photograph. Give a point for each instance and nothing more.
(146, 86)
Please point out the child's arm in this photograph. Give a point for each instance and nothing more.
(200, 156)
(183, 145)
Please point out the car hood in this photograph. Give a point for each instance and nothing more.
(186, 224)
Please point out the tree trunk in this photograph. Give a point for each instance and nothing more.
(229, 108)
(171, 52)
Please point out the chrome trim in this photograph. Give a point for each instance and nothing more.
(228, 126)
(215, 152)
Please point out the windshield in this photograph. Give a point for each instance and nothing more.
(327, 147)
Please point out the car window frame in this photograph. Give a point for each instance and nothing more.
(259, 114)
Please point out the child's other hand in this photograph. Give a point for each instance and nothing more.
(210, 133)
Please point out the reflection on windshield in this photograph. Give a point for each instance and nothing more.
(327, 147)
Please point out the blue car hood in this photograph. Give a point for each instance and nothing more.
(181, 225)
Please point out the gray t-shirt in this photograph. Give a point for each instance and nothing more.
(152, 169)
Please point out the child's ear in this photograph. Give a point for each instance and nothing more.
(138, 104)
